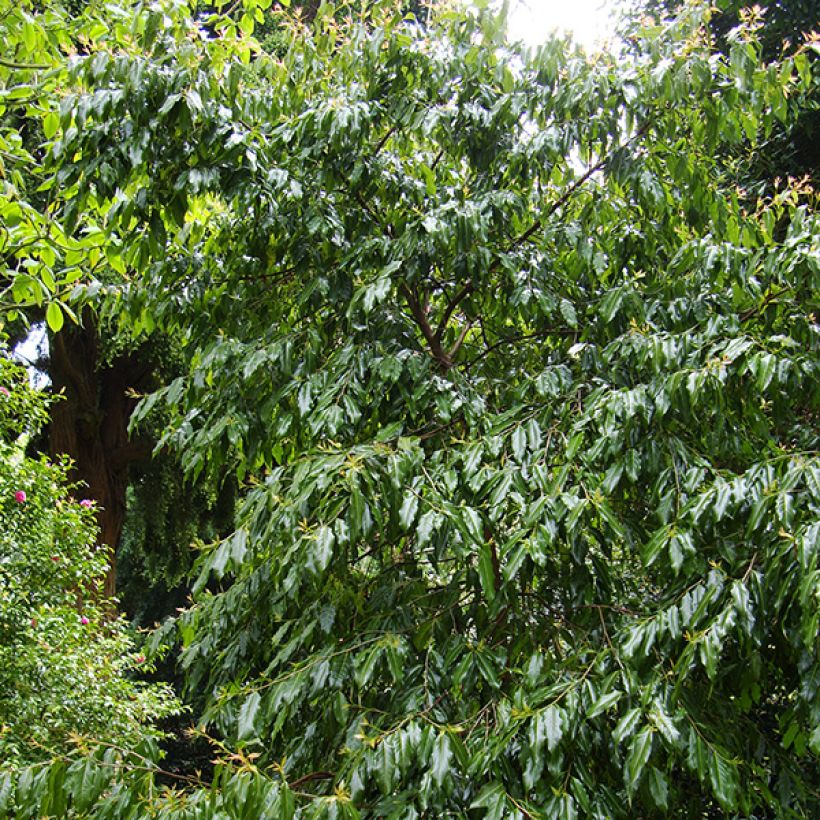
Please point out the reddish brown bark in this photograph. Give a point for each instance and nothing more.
(90, 424)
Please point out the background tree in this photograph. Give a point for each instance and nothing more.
(65, 670)
(99, 367)
(792, 149)
(100, 370)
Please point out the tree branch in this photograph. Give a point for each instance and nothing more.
(525, 338)
(419, 314)
(300, 781)
(557, 204)
(383, 141)
(451, 306)
(562, 200)
(457, 346)
(23, 66)
(767, 300)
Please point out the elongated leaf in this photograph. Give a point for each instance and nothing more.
(486, 572)
(604, 702)
(324, 547)
(407, 513)
(440, 760)
(551, 724)
(658, 787)
(519, 443)
(639, 750)
(664, 723)
(626, 725)
(246, 719)
(54, 317)
(724, 779)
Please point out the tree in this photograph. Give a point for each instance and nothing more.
(522, 395)
(98, 370)
(96, 364)
(792, 148)
(65, 671)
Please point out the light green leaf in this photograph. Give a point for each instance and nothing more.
(51, 122)
(663, 722)
(626, 725)
(658, 787)
(472, 520)
(324, 547)
(604, 702)
(552, 721)
(493, 798)
(440, 762)
(428, 523)
(486, 572)
(568, 312)
(54, 317)
(724, 779)
(519, 443)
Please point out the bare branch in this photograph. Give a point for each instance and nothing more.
(300, 781)
(383, 141)
(420, 315)
(525, 338)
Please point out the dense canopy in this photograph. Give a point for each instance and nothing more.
(520, 384)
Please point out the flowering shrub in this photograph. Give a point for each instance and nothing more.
(65, 667)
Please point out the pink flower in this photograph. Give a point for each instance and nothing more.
(84, 620)
(140, 658)
(87, 503)
(4, 391)
(20, 496)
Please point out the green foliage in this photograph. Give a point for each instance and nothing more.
(66, 669)
(38, 263)
(108, 782)
(165, 519)
(792, 149)
(47, 275)
(523, 392)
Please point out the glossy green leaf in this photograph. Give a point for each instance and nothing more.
(639, 750)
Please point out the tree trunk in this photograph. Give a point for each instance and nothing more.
(90, 424)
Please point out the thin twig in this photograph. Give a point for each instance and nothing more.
(312, 776)
(23, 66)
(570, 191)
(451, 306)
(514, 339)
